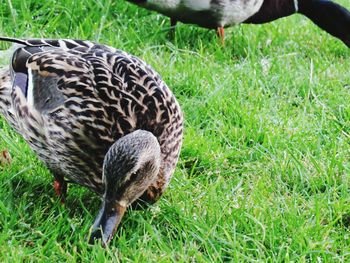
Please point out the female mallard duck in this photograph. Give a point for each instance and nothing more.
(97, 116)
(218, 14)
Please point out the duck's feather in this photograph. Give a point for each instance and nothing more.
(81, 97)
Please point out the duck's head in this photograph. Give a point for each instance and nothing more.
(130, 166)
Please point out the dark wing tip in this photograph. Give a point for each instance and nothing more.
(13, 40)
(26, 42)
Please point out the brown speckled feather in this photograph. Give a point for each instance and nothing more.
(80, 98)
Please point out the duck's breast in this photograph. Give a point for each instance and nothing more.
(234, 12)
(207, 13)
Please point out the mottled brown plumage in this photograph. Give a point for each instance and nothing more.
(73, 100)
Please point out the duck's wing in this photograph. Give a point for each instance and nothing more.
(46, 75)
(93, 83)
(61, 43)
(42, 77)
(49, 71)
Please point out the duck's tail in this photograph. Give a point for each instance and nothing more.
(61, 43)
(30, 42)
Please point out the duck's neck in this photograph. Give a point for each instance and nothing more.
(329, 16)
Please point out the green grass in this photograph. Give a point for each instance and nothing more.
(264, 169)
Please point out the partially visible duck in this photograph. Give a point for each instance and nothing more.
(96, 116)
(218, 14)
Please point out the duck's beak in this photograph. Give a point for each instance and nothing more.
(107, 222)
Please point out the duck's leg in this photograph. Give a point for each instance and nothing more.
(5, 157)
(130, 166)
(221, 34)
(60, 186)
(173, 23)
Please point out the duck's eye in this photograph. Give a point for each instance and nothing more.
(133, 175)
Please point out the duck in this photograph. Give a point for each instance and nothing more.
(219, 14)
(97, 117)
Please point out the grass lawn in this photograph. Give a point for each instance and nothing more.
(264, 172)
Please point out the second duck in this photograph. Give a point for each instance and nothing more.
(218, 14)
